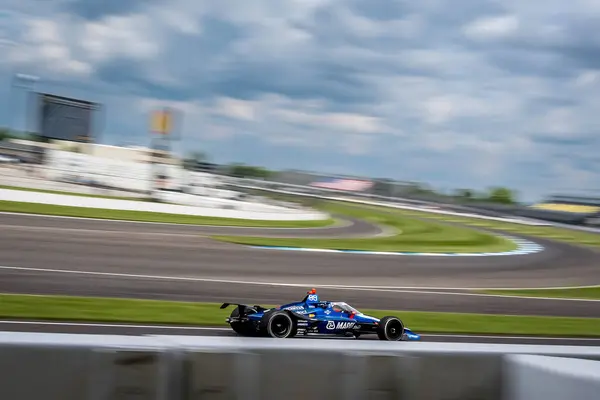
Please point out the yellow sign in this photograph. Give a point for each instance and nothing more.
(161, 122)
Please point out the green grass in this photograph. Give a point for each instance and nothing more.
(144, 216)
(89, 309)
(548, 232)
(415, 235)
(575, 293)
(98, 196)
(553, 233)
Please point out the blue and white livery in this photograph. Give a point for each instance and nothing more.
(315, 317)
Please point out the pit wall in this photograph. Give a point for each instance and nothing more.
(96, 367)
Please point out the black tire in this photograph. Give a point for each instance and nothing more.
(278, 324)
(242, 328)
(390, 329)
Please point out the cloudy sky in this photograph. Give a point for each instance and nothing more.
(460, 93)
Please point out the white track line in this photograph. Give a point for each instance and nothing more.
(103, 325)
(473, 288)
(338, 224)
(510, 337)
(201, 328)
(280, 284)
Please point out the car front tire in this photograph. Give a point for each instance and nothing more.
(390, 328)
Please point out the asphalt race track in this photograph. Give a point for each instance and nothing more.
(347, 228)
(85, 257)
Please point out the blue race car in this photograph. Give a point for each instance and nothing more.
(313, 316)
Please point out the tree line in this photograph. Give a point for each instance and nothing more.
(382, 187)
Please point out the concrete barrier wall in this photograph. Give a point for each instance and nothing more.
(532, 377)
(82, 367)
(203, 207)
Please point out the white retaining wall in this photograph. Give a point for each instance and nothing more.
(33, 177)
(103, 367)
(242, 210)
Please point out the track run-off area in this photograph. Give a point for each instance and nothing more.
(51, 255)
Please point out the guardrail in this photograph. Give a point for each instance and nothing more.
(96, 367)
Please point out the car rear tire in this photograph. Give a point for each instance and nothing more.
(390, 329)
(278, 324)
(242, 328)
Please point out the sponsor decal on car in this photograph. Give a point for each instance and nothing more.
(339, 325)
(294, 308)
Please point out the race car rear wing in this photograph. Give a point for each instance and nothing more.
(243, 307)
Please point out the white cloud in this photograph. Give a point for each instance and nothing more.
(115, 36)
(559, 122)
(180, 21)
(439, 109)
(496, 27)
(44, 42)
(236, 109)
(351, 122)
(587, 78)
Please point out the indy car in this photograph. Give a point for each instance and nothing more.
(311, 316)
